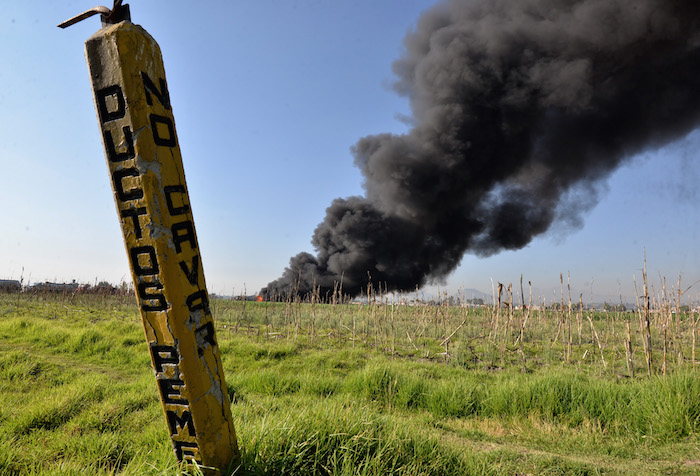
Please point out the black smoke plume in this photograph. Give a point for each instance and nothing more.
(519, 107)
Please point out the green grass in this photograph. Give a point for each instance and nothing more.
(78, 394)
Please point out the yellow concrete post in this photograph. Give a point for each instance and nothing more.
(145, 165)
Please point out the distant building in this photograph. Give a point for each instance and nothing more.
(48, 287)
(10, 286)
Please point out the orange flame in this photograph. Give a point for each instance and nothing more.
(259, 298)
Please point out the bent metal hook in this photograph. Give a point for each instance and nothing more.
(117, 14)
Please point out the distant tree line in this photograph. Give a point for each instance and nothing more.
(47, 287)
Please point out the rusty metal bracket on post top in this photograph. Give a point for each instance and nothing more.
(117, 14)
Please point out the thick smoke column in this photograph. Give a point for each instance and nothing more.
(519, 107)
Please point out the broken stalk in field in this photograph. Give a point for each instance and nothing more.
(568, 317)
(628, 350)
(595, 334)
(647, 318)
(695, 327)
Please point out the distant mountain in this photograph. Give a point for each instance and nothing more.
(471, 293)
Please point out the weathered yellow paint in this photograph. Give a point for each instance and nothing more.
(136, 120)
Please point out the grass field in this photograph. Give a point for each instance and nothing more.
(362, 389)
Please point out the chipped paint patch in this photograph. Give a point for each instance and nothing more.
(145, 164)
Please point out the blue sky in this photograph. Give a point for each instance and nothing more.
(268, 98)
